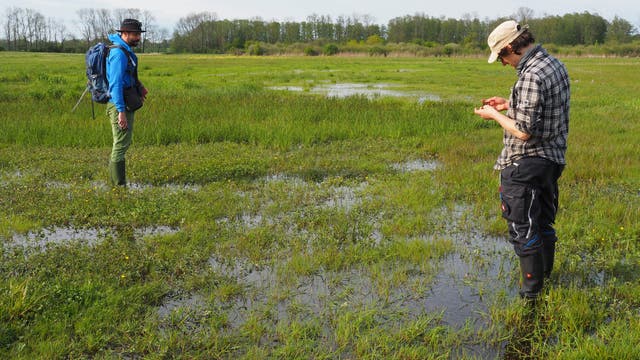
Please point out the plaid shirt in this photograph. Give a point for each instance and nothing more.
(539, 104)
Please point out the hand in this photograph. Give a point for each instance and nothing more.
(144, 93)
(122, 121)
(497, 103)
(487, 112)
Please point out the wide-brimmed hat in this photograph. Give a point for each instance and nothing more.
(131, 25)
(502, 36)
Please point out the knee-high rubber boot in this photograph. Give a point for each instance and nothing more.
(548, 256)
(118, 173)
(532, 270)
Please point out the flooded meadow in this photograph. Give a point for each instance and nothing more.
(295, 208)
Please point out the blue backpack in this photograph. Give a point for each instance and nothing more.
(97, 83)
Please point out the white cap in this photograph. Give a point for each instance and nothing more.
(502, 36)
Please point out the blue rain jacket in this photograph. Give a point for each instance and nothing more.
(120, 71)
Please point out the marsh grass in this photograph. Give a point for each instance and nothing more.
(299, 226)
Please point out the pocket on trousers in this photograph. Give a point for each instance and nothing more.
(514, 200)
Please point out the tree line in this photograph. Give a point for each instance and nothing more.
(28, 30)
(204, 33)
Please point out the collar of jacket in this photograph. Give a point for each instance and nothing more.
(528, 56)
(117, 40)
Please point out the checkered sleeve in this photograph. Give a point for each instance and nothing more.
(528, 106)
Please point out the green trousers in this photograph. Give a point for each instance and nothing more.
(121, 138)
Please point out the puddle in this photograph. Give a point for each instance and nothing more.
(339, 197)
(245, 272)
(170, 187)
(170, 305)
(371, 91)
(345, 197)
(256, 281)
(470, 278)
(249, 275)
(290, 180)
(17, 174)
(287, 88)
(429, 98)
(416, 165)
(57, 185)
(104, 186)
(458, 289)
(39, 240)
(58, 235)
(352, 89)
(246, 220)
(156, 231)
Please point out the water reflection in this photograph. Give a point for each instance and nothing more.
(57, 235)
(371, 91)
(416, 165)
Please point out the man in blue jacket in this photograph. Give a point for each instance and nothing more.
(122, 74)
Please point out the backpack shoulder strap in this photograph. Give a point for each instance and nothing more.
(128, 53)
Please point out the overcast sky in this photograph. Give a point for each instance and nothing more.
(167, 13)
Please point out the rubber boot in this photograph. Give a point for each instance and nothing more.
(548, 256)
(532, 270)
(117, 172)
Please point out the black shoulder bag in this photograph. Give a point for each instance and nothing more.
(133, 94)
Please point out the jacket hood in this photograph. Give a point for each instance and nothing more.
(117, 40)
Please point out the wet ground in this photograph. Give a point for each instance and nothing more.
(458, 288)
(39, 240)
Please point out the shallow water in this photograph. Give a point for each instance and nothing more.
(345, 197)
(370, 91)
(457, 289)
(459, 293)
(416, 165)
(460, 289)
(56, 235)
(470, 278)
(168, 187)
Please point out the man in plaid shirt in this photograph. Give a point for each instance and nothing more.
(536, 126)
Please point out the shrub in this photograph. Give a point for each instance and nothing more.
(377, 50)
(331, 49)
(255, 49)
(310, 51)
(374, 40)
(451, 49)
